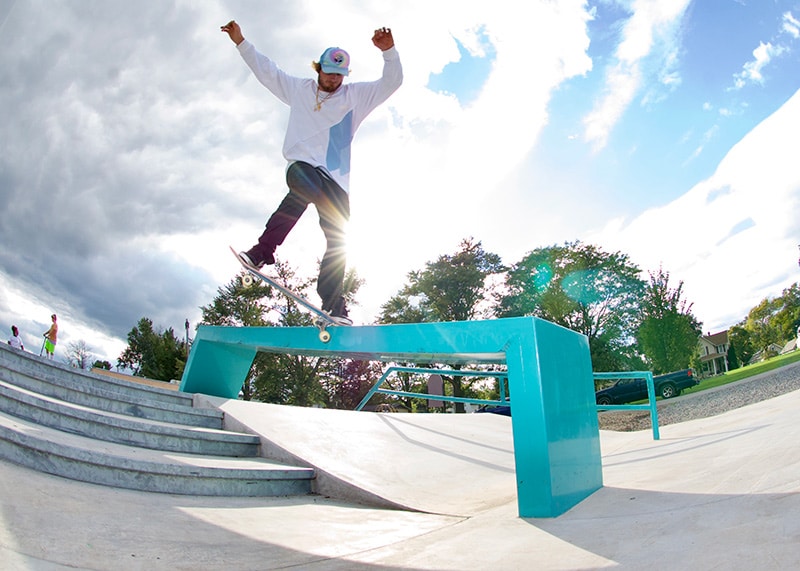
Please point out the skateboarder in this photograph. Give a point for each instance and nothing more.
(324, 116)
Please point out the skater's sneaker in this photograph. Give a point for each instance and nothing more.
(341, 320)
(339, 313)
(245, 258)
(254, 260)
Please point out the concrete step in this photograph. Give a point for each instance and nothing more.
(100, 462)
(93, 393)
(77, 419)
(77, 379)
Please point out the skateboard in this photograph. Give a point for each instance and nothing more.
(322, 319)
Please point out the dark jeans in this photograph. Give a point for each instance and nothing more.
(310, 185)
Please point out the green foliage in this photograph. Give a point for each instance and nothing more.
(772, 321)
(239, 306)
(747, 371)
(451, 288)
(153, 354)
(787, 315)
(761, 326)
(273, 378)
(668, 333)
(739, 342)
(289, 379)
(630, 324)
(351, 382)
(733, 357)
(582, 288)
(276, 378)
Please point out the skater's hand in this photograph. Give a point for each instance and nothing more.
(382, 38)
(234, 31)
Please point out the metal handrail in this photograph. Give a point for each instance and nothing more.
(376, 388)
(646, 375)
(651, 396)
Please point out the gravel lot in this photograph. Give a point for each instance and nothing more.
(708, 403)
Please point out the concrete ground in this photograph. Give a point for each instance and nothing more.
(715, 493)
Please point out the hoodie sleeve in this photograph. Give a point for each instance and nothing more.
(267, 72)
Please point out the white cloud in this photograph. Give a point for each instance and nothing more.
(791, 25)
(652, 32)
(751, 71)
(732, 238)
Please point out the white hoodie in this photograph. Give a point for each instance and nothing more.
(322, 138)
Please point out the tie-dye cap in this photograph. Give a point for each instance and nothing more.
(335, 60)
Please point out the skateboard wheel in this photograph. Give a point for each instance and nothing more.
(324, 336)
(247, 280)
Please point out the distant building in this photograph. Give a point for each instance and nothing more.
(789, 347)
(772, 350)
(714, 353)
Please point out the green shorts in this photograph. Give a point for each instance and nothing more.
(49, 346)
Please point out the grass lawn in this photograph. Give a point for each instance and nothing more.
(745, 372)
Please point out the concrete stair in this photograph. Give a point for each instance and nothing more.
(115, 432)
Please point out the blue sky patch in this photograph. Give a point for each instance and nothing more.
(465, 78)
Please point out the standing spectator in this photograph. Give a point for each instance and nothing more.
(15, 340)
(51, 337)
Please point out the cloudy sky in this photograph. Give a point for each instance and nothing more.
(135, 146)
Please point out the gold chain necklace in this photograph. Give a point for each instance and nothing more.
(327, 96)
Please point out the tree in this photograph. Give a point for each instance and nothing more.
(787, 316)
(237, 305)
(762, 327)
(278, 378)
(733, 357)
(452, 288)
(668, 332)
(152, 354)
(740, 344)
(582, 288)
(350, 384)
(102, 365)
(78, 354)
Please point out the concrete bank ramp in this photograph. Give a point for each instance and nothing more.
(436, 463)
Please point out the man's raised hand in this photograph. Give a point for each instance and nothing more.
(234, 31)
(382, 38)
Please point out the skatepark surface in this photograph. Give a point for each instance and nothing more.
(714, 493)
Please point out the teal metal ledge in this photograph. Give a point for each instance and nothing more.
(554, 425)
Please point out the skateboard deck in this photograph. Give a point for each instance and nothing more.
(322, 319)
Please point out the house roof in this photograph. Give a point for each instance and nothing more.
(717, 338)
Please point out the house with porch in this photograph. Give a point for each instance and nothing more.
(714, 353)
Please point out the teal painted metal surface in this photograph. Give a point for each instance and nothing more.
(217, 369)
(651, 396)
(554, 425)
